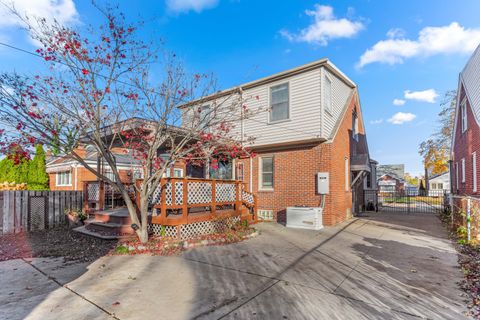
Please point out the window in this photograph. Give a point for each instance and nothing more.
(64, 178)
(177, 173)
(223, 170)
(240, 174)
(266, 172)
(167, 173)
(456, 176)
(327, 96)
(474, 171)
(369, 180)
(355, 125)
(434, 186)
(206, 117)
(109, 174)
(463, 170)
(440, 186)
(137, 173)
(279, 103)
(463, 107)
(347, 175)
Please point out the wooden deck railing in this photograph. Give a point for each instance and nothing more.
(179, 201)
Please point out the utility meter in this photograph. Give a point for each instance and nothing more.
(323, 183)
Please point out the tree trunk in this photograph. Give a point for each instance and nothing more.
(142, 234)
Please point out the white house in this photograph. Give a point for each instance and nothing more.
(439, 184)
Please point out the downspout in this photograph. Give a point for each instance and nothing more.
(251, 175)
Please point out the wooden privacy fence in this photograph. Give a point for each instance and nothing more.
(35, 210)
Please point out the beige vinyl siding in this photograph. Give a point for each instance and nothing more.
(304, 107)
(340, 94)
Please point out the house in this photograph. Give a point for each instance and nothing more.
(68, 174)
(466, 133)
(390, 183)
(312, 124)
(439, 184)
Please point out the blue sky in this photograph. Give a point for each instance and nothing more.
(411, 51)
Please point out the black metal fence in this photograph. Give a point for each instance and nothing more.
(432, 201)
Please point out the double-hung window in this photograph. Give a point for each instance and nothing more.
(266, 173)
(279, 103)
(463, 109)
(177, 173)
(463, 170)
(64, 178)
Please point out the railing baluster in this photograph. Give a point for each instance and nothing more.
(163, 207)
(214, 198)
(185, 201)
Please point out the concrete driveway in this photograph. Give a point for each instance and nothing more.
(385, 266)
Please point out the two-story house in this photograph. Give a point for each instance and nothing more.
(304, 121)
(465, 148)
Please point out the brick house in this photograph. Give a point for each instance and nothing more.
(313, 124)
(390, 183)
(466, 134)
(67, 174)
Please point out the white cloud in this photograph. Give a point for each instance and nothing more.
(64, 11)
(449, 39)
(325, 27)
(396, 33)
(198, 6)
(402, 117)
(429, 95)
(398, 102)
(378, 121)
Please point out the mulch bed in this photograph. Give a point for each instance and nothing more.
(469, 259)
(61, 242)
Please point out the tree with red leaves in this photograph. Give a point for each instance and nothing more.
(100, 91)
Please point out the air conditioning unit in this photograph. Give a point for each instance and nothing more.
(305, 218)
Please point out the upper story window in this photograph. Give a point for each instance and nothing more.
(327, 95)
(64, 178)
(279, 103)
(463, 107)
(266, 173)
(205, 116)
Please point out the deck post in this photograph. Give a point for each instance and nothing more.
(85, 197)
(213, 208)
(163, 207)
(238, 201)
(185, 201)
(101, 196)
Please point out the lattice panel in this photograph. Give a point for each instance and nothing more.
(178, 193)
(93, 191)
(168, 193)
(37, 213)
(247, 197)
(225, 192)
(168, 231)
(155, 197)
(199, 192)
(192, 230)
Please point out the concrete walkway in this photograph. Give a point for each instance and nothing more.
(386, 266)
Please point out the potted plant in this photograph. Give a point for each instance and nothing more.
(75, 217)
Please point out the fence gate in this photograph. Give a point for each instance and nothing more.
(406, 202)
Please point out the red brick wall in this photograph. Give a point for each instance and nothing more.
(465, 144)
(295, 170)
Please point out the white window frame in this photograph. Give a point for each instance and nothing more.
(440, 186)
(434, 186)
(260, 173)
(327, 105)
(175, 170)
(58, 178)
(464, 117)
(456, 176)
(270, 121)
(347, 174)
(474, 171)
(463, 170)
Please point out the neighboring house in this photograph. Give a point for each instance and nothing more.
(313, 123)
(393, 170)
(68, 174)
(465, 149)
(389, 183)
(411, 190)
(439, 184)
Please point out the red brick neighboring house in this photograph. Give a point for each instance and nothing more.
(313, 124)
(67, 174)
(465, 151)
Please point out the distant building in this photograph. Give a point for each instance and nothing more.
(388, 183)
(439, 184)
(393, 170)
